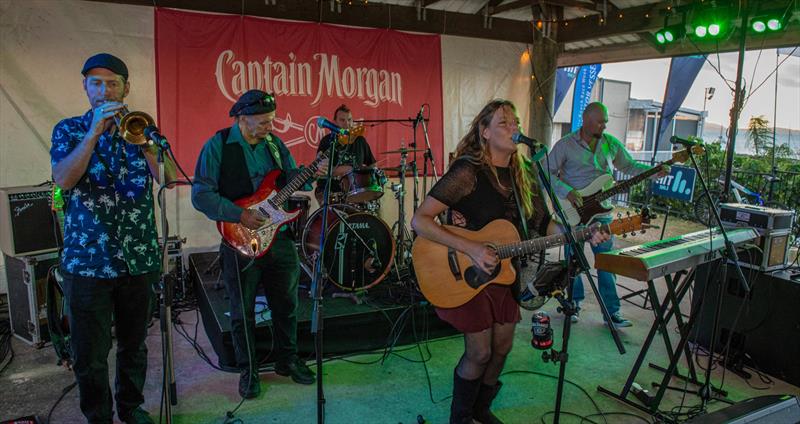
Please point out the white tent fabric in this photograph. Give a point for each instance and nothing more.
(43, 44)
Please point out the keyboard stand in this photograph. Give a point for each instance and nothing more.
(664, 310)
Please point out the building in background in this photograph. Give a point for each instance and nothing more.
(633, 121)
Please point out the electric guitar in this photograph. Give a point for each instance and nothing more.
(448, 278)
(595, 195)
(266, 201)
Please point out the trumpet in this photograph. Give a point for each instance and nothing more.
(131, 126)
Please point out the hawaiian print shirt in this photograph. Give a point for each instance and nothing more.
(109, 223)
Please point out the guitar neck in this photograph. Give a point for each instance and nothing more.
(538, 244)
(296, 182)
(625, 185)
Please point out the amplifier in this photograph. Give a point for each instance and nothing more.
(27, 225)
(772, 252)
(762, 218)
(27, 296)
(762, 327)
(772, 409)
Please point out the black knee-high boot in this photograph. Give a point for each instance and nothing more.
(464, 394)
(483, 402)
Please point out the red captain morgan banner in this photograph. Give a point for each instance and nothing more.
(204, 62)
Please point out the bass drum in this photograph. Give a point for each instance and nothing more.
(359, 247)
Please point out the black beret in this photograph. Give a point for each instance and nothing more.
(254, 102)
(108, 61)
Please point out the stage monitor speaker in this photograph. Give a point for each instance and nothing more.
(767, 334)
(773, 409)
(27, 225)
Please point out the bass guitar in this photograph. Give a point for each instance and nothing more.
(268, 202)
(595, 196)
(448, 278)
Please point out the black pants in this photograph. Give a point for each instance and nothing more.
(92, 302)
(278, 272)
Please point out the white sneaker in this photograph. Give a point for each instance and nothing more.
(576, 317)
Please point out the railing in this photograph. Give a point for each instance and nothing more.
(786, 190)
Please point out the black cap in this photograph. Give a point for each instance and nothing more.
(254, 102)
(108, 61)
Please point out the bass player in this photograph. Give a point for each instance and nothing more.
(576, 161)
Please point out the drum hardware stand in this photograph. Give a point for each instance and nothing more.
(577, 258)
(427, 156)
(400, 195)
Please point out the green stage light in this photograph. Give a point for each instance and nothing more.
(774, 24)
(700, 31)
(668, 36)
(758, 26)
(714, 30)
(660, 38)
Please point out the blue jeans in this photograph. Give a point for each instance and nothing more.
(606, 281)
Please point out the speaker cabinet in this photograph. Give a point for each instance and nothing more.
(768, 328)
(27, 224)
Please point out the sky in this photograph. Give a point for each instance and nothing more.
(648, 80)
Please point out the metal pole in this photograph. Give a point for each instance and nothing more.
(774, 125)
(737, 102)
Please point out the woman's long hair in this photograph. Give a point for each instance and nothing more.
(476, 149)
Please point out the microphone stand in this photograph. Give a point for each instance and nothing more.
(169, 392)
(427, 156)
(318, 278)
(577, 260)
(705, 391)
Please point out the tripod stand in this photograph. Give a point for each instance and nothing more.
(577, 264)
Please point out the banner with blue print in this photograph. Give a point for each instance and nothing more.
(682, 73)
(564, 78)
(584, 83)
(679, 184)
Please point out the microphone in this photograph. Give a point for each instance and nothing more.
(537, 149)
(374, 251)
(324, 123)
(684, 142)
(419, 114)
(152, 133)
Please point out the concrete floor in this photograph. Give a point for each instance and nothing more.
(394, 391)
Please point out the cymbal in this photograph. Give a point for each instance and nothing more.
(403, 150)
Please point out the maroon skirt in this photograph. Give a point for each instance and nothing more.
(494, 304)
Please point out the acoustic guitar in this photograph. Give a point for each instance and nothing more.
(448, 278)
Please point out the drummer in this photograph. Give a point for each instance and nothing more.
(356, 154)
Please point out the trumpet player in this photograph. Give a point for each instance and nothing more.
(111, 257)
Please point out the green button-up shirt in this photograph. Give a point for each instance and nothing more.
(205, 190)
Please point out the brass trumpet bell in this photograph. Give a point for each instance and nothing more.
(131, 126)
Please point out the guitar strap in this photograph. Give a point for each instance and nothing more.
(522, 219)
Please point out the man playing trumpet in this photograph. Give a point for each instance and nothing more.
(111, 257)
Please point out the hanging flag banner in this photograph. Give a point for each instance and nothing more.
(564, 78)
(682, 72)
(204, 62)
(790, 51)
(584, 83)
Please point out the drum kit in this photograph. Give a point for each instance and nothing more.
(360, 248)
